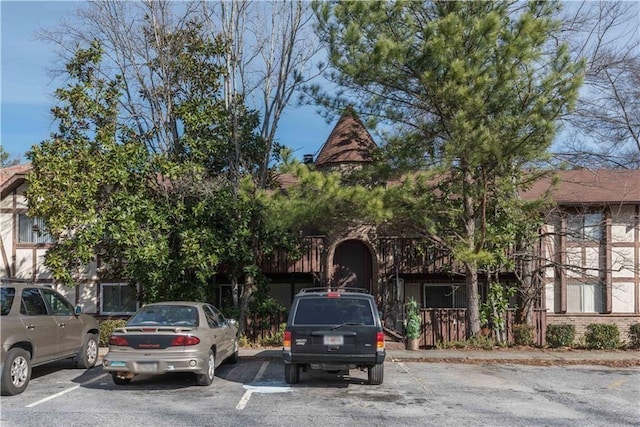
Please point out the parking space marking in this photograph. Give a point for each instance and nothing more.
(247, 394)
(63, 392)
(250, 389)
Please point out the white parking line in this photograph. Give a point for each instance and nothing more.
(259, 388)
(247, 394)
(63, 392)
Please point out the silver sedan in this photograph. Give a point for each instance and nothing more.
(175, 336)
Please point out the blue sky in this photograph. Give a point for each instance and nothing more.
(27, 86)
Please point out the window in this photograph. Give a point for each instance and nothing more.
(445, 296)
(585, 227)
(6, 299)
(213, 318)
(31, 230)
(32, 303)
(585, 298)
(118, 298)
(58, 305)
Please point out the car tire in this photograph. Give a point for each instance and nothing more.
(207, 378)
(88, 354)
(16, 372)
(291, 373)
(376, 374)
(118, 380)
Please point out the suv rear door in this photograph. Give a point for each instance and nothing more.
(326, 324)
(41, 329)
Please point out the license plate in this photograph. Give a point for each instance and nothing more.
(333, 340)
(147, 367)
(117, 364)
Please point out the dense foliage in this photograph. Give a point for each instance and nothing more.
(560, 335)
(472, 92)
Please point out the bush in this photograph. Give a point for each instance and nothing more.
(634, 335)
(523, 335)
(107, 327)
(274, 339)
(602, 336)
(560, 335)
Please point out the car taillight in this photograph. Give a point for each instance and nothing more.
(380, 341)
(118, 340)
(286, 341)
(185, 340)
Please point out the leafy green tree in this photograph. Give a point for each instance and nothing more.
(473, 90)
(168, 220)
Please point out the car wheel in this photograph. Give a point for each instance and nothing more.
(291, 373)
(16, 372)
(207, 377)
(119, 380)
(376, 374)
(88, 355)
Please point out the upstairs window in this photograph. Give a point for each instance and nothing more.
(31, 230)
(585, 227)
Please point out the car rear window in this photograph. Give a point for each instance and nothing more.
(165, 315)
(6, 299)
(333, 311)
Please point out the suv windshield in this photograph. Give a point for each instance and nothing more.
(333, 311)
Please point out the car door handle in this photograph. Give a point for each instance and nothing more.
(62, 325)
(31, 327)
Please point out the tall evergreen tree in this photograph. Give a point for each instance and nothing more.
(472, 91)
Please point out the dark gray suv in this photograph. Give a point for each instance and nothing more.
(40, 326)
(333, 330)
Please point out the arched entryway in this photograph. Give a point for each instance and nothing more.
(352, 265)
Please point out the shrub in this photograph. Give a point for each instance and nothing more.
(602, 336)
(107, 327)
(274, 339)
(634, 335)
(560, 335)
(485, 343)
(523, 335)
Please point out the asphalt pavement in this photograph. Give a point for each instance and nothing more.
(524, 356)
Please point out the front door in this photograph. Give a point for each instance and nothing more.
(352, 265)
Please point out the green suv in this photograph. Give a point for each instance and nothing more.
(40, 326)
(333, 330)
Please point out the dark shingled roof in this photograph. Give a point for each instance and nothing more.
(349, 142)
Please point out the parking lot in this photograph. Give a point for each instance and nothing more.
(253, 393)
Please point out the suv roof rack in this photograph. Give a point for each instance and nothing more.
(333, 289)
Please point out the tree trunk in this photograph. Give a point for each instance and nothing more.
(473, 307)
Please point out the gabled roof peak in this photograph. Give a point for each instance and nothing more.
(349, 142)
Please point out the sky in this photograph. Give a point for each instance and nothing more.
(27, 86)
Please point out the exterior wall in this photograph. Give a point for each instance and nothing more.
(25, 261)
(615, 261)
